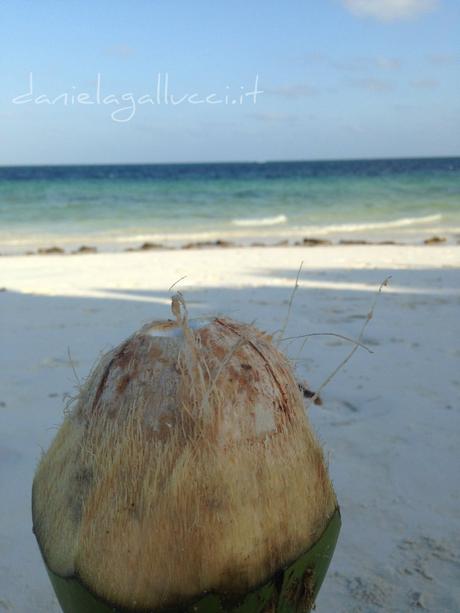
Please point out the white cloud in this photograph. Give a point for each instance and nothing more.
(275, 117)
(389, 63)
(390, 10)
(293, 91)
(444, 59)
(373, 85)
(425, 84)
(354, 63)
(120, 50)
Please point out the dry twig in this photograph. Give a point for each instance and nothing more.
(357, 343)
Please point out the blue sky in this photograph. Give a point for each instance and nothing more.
(340, 79)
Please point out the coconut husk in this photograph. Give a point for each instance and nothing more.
(187, 465)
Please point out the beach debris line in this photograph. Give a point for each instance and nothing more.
(186, 474)
(51, 251)
(226, 244)
(435, 240)
(84, 249)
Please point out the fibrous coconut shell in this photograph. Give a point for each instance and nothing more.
(186, 465)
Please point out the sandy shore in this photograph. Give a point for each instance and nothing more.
(389, 420)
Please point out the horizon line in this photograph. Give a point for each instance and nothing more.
(207, 163)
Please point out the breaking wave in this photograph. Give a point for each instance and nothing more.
(378, 225)
(264, 221)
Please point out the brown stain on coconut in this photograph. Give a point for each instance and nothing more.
(283, 405)
(120, 358)
(179, 462)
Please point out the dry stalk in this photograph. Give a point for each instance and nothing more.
(357, 343)
(291, 300)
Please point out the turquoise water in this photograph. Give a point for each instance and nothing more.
(118, 206)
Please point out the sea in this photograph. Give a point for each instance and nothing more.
(115, 207)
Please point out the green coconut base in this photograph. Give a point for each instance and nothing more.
(290, 590)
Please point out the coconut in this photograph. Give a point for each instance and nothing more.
(186, 466)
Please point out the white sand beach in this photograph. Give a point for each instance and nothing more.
(389, 419)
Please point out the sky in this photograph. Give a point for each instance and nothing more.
(158, 81)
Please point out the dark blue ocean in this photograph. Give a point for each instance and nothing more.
(114, 207)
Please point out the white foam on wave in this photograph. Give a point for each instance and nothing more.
(376, 225)
(264, 221)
